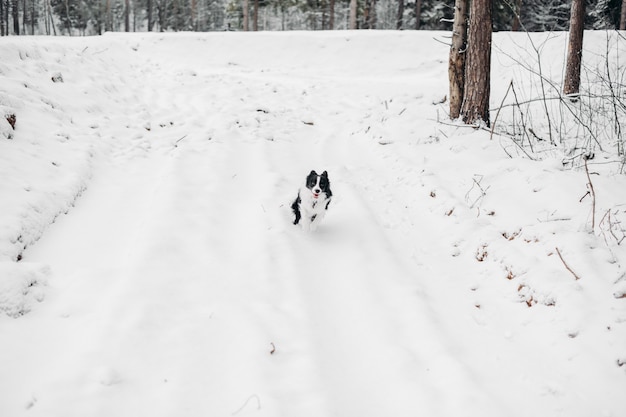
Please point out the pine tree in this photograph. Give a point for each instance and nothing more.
(456, 64)
(571, 84)
(478, 63)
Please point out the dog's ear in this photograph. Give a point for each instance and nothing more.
(313, 173)
(325, 174)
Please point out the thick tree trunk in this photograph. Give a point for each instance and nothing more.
(331, 15)
(456, 65)
(571, 85)
(622, 19)
(478, 65)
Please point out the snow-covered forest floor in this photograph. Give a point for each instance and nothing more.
(148, 264)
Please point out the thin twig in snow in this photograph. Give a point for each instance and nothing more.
(493, 125)
(176, 143)
(258, 404)
(593, 196)
(566, 265)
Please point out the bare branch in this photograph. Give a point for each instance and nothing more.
(566, 265)
(593, 195)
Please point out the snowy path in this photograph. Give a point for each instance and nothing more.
(201, 298)
(188, 266)
(178, 285)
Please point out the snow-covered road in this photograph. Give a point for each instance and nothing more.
(177, 285)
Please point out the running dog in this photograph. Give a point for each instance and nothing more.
(312, 202)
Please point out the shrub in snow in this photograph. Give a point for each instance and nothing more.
(57, 77)
(21, 286)
(7, 126)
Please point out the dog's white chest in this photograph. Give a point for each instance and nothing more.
(312, 209)
(314, 205)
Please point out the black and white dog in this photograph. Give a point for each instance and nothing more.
(312, 202)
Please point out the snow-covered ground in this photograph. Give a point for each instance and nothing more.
(149, 266)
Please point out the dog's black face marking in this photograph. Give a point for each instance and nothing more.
(318, 183)
(311, 180)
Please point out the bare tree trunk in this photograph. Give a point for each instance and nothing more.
(32, 18)
(108, 23)
(194, 15)
(255, 16)
(127, 15)
(6, 17)
(67, 15)
(331, 15)
(161, 5)
(400, 18)
(50, 19)
(369, 15)
(366, 15)
(150, 21)
(246, 15)
(418, 13)
(353, 14)
(622, 19)
(456, 63)
(373, 15)
(16, 17)
(516, 25)
(478, 65)
(571, 85)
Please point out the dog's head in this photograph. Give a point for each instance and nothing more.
(318, 183)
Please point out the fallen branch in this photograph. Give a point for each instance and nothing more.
(566, 265)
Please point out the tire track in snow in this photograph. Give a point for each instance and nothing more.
(349, 309)
(378, 344)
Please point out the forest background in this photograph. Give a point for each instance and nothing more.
(93, 17)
